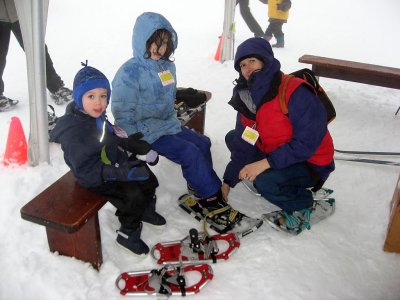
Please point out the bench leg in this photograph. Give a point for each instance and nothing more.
(197, 122)
(84, 244)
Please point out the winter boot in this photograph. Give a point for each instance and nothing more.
(213, 202)
(7, 103)
(150, 216)
(280, 42)
(268, 37)
(63, 95)
(129, 239)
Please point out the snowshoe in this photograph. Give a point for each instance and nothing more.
(301, 220)
(250, 186)
(322, 194)
(7, 103)
(167, 281)
(222, 220)
(51, 117)
(196, 248)
(63, 95)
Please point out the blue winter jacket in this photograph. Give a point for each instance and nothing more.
(79, 137)
(139, 101)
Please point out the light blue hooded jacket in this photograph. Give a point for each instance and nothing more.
(139, 100)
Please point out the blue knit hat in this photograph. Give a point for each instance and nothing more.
(89, 78)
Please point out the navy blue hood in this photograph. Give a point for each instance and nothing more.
(259, 82)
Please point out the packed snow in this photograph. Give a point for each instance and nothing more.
(339, 258)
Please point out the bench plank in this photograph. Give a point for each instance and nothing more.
(64, 205)
(353, 71)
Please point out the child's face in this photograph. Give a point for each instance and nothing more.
(156, 54)
(250, 65)
(95, 102)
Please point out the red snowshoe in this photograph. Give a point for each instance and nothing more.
(167, 281)
(196, 248)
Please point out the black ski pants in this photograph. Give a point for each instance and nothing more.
(275, 28)
(131, 198)
(249, 18)
(54, 81)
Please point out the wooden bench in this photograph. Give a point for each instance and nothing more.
(70, 212)
(197, 117)
(392, 242)
(354, 71)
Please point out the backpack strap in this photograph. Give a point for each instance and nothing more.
(282, 93)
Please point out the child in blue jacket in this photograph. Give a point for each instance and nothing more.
(144, 90)
(105, 160)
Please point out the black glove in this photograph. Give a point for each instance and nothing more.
(135, 145)
(285, 5)
(191, 97)
(187, 91)
(129, 171)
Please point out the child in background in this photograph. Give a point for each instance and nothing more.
(107, 163)
(278, 13)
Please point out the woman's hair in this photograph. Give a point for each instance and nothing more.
(158, 37)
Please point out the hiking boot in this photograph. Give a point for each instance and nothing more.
(213, 202)
(7, 103)
(280, 42)
(268, 37)
(150, 216)
(63, 95)
(129, 239)
(278, 45)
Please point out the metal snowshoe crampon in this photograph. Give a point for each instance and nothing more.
(222, 220)
(168, 281)
(196, 248)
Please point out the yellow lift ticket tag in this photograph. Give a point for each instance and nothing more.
(250, 135)
(166, 77)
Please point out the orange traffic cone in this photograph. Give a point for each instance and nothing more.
(218, 53)
(16, 148)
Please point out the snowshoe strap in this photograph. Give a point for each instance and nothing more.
(177, 278)
(231, 217)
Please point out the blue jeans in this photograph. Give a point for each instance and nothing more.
(191, 151)
(286, 188)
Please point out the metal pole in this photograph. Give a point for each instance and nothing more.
(32, 15)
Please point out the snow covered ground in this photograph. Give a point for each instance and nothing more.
(340, 258)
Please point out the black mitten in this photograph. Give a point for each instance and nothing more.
(191, 97)
(135, 145)
(183, 92)
(129, 171)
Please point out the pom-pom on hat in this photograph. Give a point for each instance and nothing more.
(89, 78)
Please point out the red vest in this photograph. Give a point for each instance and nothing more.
(275, 128)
